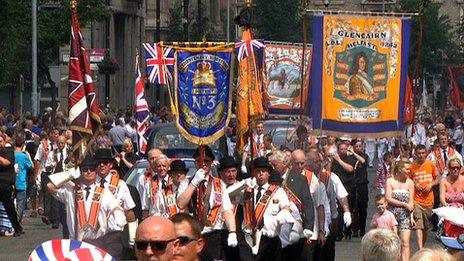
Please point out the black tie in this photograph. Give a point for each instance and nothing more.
(258, 195)
(87, 192)
(163, 184)
(102, 183)
(445, 158)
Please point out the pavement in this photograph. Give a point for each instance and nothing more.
(19, 248)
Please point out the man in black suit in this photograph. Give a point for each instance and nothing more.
(297, 183)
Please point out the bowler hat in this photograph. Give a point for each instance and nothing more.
(227, 162)
(262, 162)
(88, 161)
(103, 154)
(208, 152)
(178, 165)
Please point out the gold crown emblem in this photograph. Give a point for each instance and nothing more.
(204, 75)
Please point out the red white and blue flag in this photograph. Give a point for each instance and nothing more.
(159, 62)
(63, 250)
(245, 48)
(82, 104)
(141, 109)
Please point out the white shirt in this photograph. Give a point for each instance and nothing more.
(419, 134)
(435, 161)
(277, 202)
(319, 196)
(122, 193)
(54, 158)
(110, 218)
(40, 155)
(214, 200)
(257, 139)
(158, 208)
(286, 228)
(340, 190)
(458, 136)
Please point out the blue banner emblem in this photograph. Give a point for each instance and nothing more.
(202, 93)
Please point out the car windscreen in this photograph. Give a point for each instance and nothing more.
(169, 137)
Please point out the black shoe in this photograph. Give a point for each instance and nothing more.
(362, 233)
(55, 226)
(46, 221)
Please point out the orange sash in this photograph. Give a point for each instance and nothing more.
(46, 148)
(94, 209)
(293, 198)
(309, 176)
(325, 177)
(114, 184)
(170, 201)
(440, 162)
(213, 214)
(260, 208)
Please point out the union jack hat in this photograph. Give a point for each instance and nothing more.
(95, 254)
(63, 249)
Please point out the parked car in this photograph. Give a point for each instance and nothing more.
(279, 130)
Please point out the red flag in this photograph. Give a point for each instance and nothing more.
(457, 92)
(409, 110)
(82, 101)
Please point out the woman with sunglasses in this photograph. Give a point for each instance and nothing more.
(452, 194)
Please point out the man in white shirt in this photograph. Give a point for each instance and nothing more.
(458, 135)
(271, 210)
(206, 197)
(99, 215)
(415, 133)
(256, 148)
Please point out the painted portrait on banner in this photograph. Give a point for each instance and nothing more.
(359, 74)
(283, 78)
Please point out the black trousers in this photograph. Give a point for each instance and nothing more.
(360, 208)
(351, 203)
(52, 207)
(325, 252)
(6, 197)
(215, 247)
(299, 251)
(111, 243)
(269, 249)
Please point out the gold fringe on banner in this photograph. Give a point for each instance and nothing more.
(363, 13)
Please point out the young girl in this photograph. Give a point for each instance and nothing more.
(383, 172)
(383, 218)
(399, 192)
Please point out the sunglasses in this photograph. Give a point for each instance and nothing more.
(184, 240)
(455, 168)
(85, 169)
(154, 245)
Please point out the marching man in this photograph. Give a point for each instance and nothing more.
(92, 214)
(266, 208)
(207, 198)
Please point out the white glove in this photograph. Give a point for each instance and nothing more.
(75, 173)
(250, 182)
(284, 216)
(132, 227)
(199, 177)
(347, 218)
(307, 233)
(244, 169)
(232, 239)
(254, 250)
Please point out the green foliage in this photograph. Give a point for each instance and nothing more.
(53, 31)
(278, 20)
(175, 27)
(461, 41)
(439, 38)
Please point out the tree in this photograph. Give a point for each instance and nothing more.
(278, 20)
(175, 28)
(438, 48)
(461, 40)
(53, 31)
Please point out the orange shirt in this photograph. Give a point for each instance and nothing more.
(423, 175)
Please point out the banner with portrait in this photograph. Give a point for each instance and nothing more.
(359, 74)
(283, 79)
(202, 91)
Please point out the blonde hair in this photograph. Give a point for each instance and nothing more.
(380, 245)
(397, 165)
(127, 142)
(432, 254)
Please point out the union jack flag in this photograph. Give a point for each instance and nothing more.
(141, 109)
(160, 63)
(245, 48)
(82, 104)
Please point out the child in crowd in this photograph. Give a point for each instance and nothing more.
(383, 218)
(383, 172)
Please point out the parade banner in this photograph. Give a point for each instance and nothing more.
(202, 91)
(282, 83)
(359, 73)
(457, 90)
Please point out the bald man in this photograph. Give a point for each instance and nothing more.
(156, 239)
